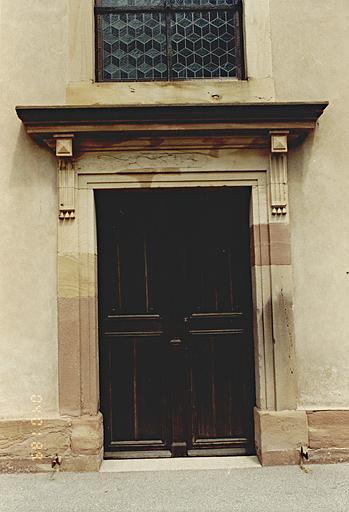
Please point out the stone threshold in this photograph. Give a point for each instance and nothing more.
(179, 464)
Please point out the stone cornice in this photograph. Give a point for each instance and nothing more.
(102, 128)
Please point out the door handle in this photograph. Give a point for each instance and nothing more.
(175, 342)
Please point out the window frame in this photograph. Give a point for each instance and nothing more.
(168, 10)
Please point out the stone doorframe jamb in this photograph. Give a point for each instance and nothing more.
(271, 281)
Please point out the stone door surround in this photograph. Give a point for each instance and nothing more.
(73, 133)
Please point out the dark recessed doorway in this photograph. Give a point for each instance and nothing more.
(176, 347)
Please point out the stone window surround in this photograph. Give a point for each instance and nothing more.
(280, 429)
(82, 88)
(82, 39)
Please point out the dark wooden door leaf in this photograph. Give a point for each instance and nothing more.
(176, 348)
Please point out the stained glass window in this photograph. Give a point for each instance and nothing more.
(168, 39)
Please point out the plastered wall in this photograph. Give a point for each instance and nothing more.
(311, 62)
(33, 60)
(297, 51)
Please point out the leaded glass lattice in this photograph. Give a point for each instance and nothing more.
(203, 45)
(134, 46)
(168, 39)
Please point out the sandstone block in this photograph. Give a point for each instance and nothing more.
(279, 436)
(329, 456)
(280, 458)
(22, 438)
(83, 463)
(328, 429)
(87, 435)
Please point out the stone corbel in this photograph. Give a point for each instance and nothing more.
(278, 187)
(66, 176)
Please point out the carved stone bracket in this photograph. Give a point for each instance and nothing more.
(278, 187)
(66, 176)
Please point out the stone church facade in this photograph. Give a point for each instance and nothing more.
(120, 179)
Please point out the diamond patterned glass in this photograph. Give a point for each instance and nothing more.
(134, 46)
(203, 45)
(205, 2)
(168, 39)
(129, 3)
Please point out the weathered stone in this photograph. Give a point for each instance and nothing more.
(83, 462)
(87, 435)
(79, 463)
(25, 465)
(22, 438)
(328, 456)
(280, 458)
(25, 447)
(279, 436)
(328, 429)
(69, 356)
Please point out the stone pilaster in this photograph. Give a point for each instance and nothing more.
(281, 275)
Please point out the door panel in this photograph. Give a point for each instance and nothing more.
(136, 389)
(176, 346)
(218, 394)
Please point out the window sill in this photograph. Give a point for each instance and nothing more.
(189, 92)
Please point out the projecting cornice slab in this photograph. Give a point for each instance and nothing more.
(103, 128)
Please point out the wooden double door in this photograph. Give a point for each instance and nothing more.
(176, 349)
